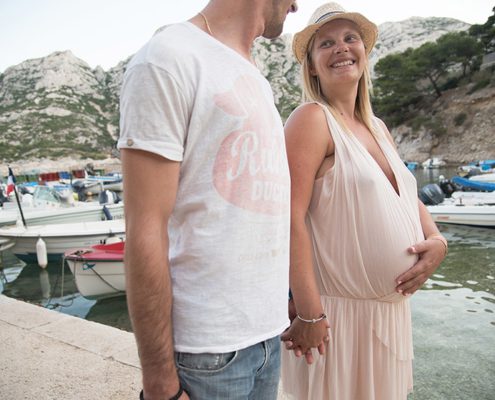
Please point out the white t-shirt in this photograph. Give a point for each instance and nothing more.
(189, 98)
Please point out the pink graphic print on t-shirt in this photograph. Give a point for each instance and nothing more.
(250, 169)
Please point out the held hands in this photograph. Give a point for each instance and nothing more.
(303, 336)
(431, 253)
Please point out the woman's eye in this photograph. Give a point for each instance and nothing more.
(326, 43)
(352, 38)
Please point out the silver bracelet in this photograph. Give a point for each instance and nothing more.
(314, 320)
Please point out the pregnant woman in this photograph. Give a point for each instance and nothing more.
(361, 241)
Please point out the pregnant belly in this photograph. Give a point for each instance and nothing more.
(384, 265)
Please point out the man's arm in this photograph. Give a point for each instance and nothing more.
(151, 184)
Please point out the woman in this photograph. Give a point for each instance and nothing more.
(361, 242)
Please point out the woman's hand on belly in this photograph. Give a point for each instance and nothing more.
(430, 254)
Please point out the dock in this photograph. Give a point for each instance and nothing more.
(47, 355)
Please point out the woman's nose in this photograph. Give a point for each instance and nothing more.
(341, 48)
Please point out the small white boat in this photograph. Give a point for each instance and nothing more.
(472, 215)
(434, 162)
(472, 198)
(95, 184)
(59, 238)
(98, 270)
(111, 181)
(483, 178)
(47, 206)
(85, 212)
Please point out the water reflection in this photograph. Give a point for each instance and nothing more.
(54, 288)
(470, 262)
(112, 311)
(36, 285)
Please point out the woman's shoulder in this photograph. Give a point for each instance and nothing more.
(308, 124)
(312, 109)
(308, 114)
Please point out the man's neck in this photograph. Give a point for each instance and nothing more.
(236, 24)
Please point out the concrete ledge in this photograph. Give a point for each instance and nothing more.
(46, 355)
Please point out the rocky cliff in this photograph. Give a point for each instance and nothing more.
(465, 128)
(58, 106)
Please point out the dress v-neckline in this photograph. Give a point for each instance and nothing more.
(397, 192)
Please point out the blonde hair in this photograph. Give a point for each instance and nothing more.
(312, 92)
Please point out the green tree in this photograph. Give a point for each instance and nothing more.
(485, 33)
(432, 62)
(395, 89)
(405, 80)
(463, 49)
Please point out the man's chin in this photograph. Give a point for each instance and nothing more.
(273, 34)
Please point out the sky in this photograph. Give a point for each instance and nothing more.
(105, 32)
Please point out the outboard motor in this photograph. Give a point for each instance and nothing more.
(108, 197)
(431, 194)
(447, 187)
(80, 189)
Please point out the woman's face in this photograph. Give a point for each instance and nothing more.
(338, 54)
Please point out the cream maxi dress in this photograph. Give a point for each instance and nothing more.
(361, 229)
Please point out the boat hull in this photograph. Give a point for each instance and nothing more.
(482, 216)
(59, 238)
(474, 185)
(84, 213)
(98, 271)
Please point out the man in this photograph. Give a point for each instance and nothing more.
(207, 206)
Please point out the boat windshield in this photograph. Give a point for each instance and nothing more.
(53, 196)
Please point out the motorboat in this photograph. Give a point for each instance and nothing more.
(434, 162)
(49, 206)
(470, 184)
(59, 238)
(98, 270)
(490, 177)
(462, 214)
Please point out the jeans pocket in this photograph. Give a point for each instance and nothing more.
(205, 362)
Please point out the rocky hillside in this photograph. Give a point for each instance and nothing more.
(58, 106)
(464, 129)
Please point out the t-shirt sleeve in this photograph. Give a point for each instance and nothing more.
(154, 114)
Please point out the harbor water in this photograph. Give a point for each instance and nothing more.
(453, 314)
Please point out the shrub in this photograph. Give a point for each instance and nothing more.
(460, 119)
(479, 85)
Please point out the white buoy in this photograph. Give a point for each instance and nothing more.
(41, 253)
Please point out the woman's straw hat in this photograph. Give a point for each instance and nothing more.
(326, 13)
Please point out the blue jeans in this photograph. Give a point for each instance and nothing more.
(248, 374)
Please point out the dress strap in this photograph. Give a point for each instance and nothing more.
(334, 127)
